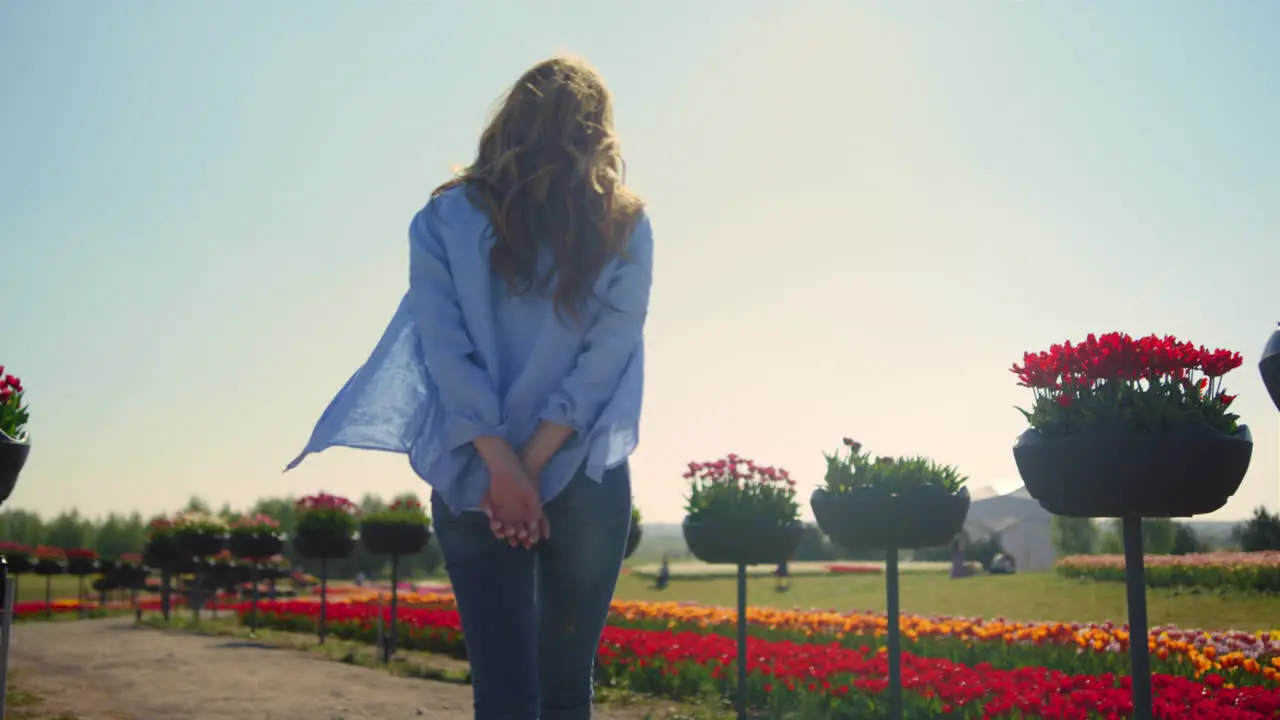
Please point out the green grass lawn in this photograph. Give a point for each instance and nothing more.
(31, 587)
(1029, 596)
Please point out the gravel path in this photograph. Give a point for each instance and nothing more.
(110, 670)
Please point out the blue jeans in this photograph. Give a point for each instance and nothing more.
(532, 619)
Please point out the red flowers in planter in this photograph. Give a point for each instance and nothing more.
(1145, 384)
(13, 414)
(326, 513)
(737, 487)
(81, 554)
(54, 554)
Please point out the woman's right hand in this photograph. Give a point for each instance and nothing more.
(512, 503)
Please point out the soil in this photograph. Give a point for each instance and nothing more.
(111, 670)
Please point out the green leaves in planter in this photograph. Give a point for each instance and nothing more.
(404, 511)
(324, 513)
(894, 475)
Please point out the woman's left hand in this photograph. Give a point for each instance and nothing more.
(507, 532)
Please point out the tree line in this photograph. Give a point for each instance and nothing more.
(120, 534)
(1162, 536)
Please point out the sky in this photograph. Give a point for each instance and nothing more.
(864, 213)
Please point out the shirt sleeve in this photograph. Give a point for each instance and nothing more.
(610, 342)
(467, 393)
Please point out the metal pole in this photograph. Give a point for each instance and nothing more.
(742, 642)
(80, 596)
(253, 608)
(1136, 587)
(166, 592)
(324, 596)
(48, 597)
(195, 593)
(895, 637)
(395, 590)
(6, 625)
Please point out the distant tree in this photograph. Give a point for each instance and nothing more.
(1111, 540)
(1157, 537)
(1074, 536)
(68, 530)
(1260, 532)
(1187, 541)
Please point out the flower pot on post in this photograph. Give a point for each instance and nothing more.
(635, 533)
(50, 561)
(81, 563)
(15, 446)
(200, 537)
(401, 529)
(740, 513)
(18, 562)
(1270, 366)
(162, 552)
(326, 527)
(1131, 428)
(890, 504)
(255, 539)
(131, 575)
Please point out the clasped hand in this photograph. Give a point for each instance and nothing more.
(513, 504)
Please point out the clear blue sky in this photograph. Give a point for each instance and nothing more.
(865, 212)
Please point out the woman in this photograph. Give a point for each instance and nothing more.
(511, 376)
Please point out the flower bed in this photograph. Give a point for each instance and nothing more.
(820, 675)
(1254, 571)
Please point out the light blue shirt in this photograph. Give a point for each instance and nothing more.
(464, 358)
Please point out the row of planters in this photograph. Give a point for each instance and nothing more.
(1119, 427)
(48, 562)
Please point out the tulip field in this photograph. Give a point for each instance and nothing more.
(1227, 571)
(826, 664)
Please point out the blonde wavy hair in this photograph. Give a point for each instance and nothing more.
(549, 173)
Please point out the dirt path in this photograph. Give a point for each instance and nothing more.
(109, 670)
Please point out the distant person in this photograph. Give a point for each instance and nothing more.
(511, 376)
(783, 577)
(1003, 564)
(664, 574)
(959, 568)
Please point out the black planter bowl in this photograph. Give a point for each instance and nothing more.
(735, 541)
(13, 456)
(126, 575)
(1111, 472)
(1270, 367)
(216, 573)
(868, 518)
(162, 553)
(107, 567)
(19, 564)
(323, 546)
(49, 567)
(81, 567)
(255, 547)
(633, 540)
(394, 538)
(200, 544)
(240, 574)
(105, 583)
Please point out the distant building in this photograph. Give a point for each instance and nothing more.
(1024, 527)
